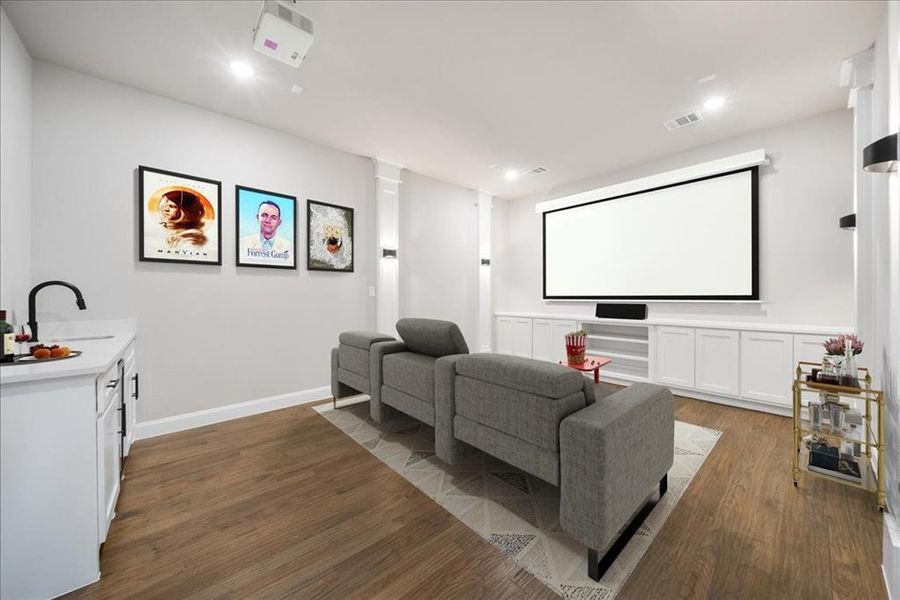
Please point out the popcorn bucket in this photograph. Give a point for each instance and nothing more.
(575, 346)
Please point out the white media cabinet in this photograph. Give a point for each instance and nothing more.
(749, 365)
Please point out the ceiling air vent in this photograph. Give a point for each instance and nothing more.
(683, 121)
(536, 171)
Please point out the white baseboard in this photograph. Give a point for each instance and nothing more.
(890, 556)
(210, 416)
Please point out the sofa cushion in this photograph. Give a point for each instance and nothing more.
(523, 374)
(363, 339)
(534, 419)
(411, 373)
(354, 359)
(432, 337)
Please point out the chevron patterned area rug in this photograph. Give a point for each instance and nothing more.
(516, 512)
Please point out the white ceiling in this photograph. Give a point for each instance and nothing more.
(450, 88)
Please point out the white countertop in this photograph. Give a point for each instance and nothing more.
(97, 355)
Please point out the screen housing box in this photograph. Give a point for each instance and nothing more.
(754, 218)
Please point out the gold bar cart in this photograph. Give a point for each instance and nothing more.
(872, 475)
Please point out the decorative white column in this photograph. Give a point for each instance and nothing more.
(387, 206)
(858, 73)
(485, 273)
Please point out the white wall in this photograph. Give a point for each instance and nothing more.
(15, 172)
(439, 253)
(209, 336)
(806, 261)
(884, 349)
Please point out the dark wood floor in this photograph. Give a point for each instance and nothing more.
(284, 505)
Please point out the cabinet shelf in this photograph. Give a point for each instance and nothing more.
(616, 338)
(634, 357)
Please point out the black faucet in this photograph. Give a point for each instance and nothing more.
(32, 296)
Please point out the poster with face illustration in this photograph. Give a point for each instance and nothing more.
(180, 217)
(265, 229)
(330, 237)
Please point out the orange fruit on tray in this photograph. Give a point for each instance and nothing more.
(42, 353)
(60, 352)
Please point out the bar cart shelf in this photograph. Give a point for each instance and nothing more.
(868, 438)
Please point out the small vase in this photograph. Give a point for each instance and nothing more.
(831, 369)
(848, 375)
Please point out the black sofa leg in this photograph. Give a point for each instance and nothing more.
(597, 567)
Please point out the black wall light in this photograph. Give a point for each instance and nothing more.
(881, 156)
(388, 253)
(485, 262)
(848, 222)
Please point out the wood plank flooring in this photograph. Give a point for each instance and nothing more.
(283, 505)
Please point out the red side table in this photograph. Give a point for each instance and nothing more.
(590, 364)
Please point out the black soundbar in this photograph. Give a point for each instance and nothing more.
(622, 311)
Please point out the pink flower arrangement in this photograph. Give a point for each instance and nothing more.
(836, 345)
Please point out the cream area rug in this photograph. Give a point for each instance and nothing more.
(516, 512)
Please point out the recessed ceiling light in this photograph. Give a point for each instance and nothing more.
(511, 174)
(297, 89)
(241, 69)
(714, 103)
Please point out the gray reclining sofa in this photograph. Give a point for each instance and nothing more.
(350, 364)
(606, 451)
(402, 373)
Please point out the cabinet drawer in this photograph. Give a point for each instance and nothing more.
(108, 387)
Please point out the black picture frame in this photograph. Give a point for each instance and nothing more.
(754, 294)
(143, 171)
(312, 237)
(237, 227)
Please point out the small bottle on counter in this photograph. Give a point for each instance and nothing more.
(9, 342)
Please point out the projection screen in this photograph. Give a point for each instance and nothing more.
(694, 240)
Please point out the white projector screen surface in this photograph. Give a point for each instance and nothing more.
(690, 241)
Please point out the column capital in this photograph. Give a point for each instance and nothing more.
(388, 170)
(858, 73)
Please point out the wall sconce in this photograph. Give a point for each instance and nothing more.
(485, 262)
(848, 222)
(881, 156)
(388, 253)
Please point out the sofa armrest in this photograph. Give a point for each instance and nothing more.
(612, 454)
(378, 411)
(446, 446)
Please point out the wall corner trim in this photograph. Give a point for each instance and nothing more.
(148, 429)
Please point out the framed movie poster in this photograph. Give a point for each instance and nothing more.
(266, 229)
(180, 217)
(329, 237)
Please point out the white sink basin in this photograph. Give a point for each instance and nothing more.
(86, 338)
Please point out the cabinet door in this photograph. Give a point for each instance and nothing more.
(560, 329)
(809, 348)
(506, 335)
(131, 394)
(717, 354)
(523, 337)
(108, 440)
(675, 356)
(766, 365)
(542, 340)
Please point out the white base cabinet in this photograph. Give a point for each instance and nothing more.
(675, 356)
(717, 357)
(60, 476)
(740, 364)
(767, 360)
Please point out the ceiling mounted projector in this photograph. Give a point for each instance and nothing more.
(282, 32)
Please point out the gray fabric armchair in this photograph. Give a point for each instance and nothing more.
(606, 451)
(350, 371)
(403, 373)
